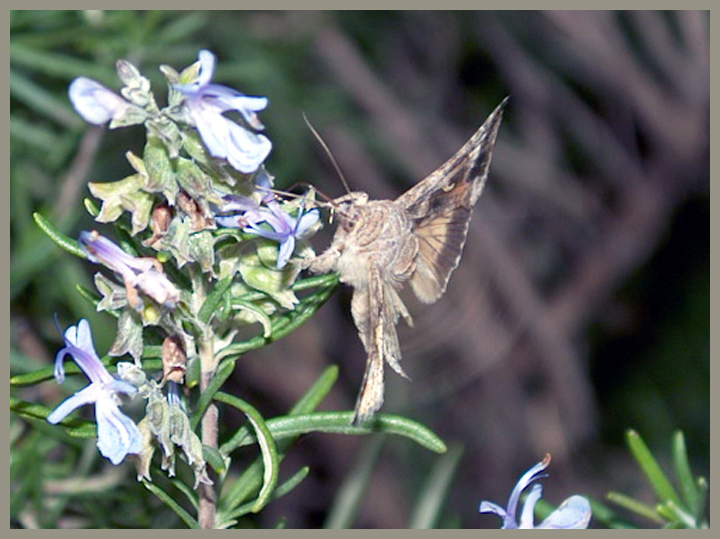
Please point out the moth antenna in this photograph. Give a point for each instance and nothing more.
(297, 195)
(304, 184)
(329, 153)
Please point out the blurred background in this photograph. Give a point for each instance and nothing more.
(580, 307)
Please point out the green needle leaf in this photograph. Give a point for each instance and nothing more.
(271, 458)
(235, 493)
(426, 512)
(659, 481)
(168, 500)
(214, 299)
(682, 469)
(635, 506)
(229, 519)
(340, 423)
(64, 242)
(224, 371)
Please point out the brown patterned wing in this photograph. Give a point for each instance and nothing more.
(441, 206)
(441, 240)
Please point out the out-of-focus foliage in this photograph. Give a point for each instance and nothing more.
(581, 305)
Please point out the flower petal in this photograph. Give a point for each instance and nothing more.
(306, 222)
(490, 507)
(573, 514)
(79, 345)
(246, 151)
(117, 434)
(242, 148)
(85, 396)
(285, 252)
(95, 103)
(527, 517)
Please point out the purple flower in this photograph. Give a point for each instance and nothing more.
(118, 436)
(245, 150)
(573, 513)
(285, 229)
(95, 103)
(139, 273)
(240, 212)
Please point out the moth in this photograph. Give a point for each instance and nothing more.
(382, 245)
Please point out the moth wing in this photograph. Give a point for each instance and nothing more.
(441, 206)
(367, 307)
(376, 310)
(441, 241)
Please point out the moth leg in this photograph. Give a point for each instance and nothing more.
(322, 263)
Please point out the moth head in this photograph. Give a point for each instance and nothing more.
(347, 207)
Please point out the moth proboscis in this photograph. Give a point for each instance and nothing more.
(381, 245)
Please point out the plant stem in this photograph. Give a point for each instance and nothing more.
(209, 432)
(209, 424)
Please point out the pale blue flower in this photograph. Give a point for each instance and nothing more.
(95, 103)
(285, 229)
(573, 513)
(138, 273)
(118, 435)
(244, 149)
(237, 211)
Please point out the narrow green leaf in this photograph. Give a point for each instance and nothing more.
(282, 325)
(92, 298)
(228, 519)
(292, 483)
(659, 481)
(682, 469)
(187, 490)
(55, 64)
(48, 373)
(215, 459)
(64, 242)
(340, 423)
(235, 493)
(327, 281)
(259, 314)
(223, 372)
(317, 392)
(700, 516)
(250, 481)
(635, 506)
(676, 514)
(213, 299)
(168, 500)
(428, 508)
(73, 426)
(37, 97)
(346, 505)
(91, 207)
(601, 514)
(271, 458)
(34, 135)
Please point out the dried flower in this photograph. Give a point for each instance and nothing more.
(139, 273)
